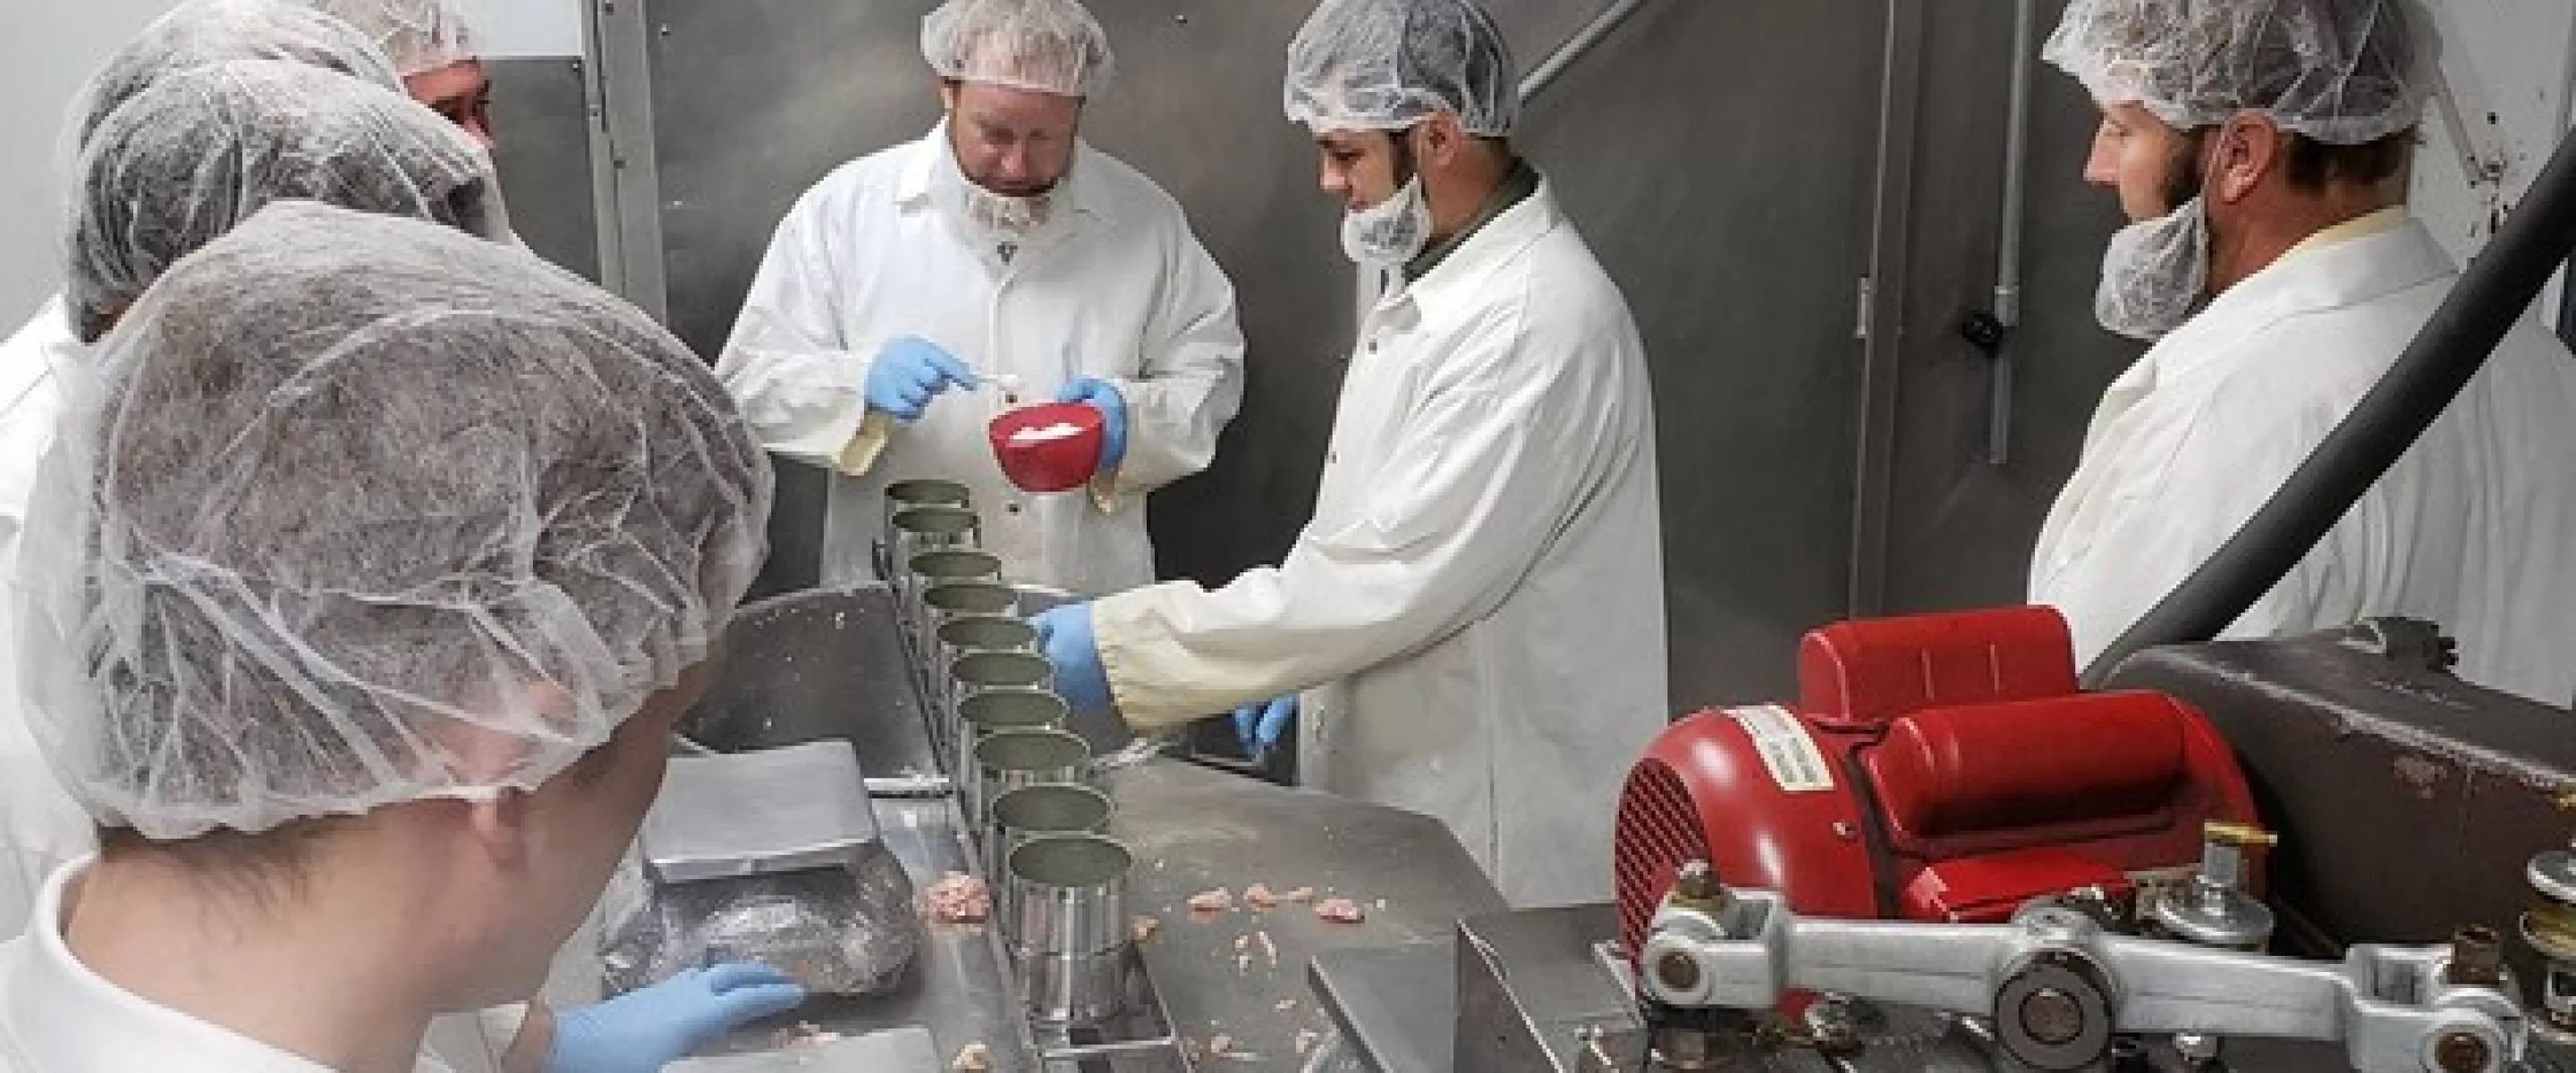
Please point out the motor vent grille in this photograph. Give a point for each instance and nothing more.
(1658, 830)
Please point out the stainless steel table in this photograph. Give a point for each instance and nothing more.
(831, 664)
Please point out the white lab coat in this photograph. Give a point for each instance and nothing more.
(1480, 591)
(41, 827)
(56, 1016)
(2474, 528)
(1115, 288)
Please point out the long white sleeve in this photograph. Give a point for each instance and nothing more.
(786, 363)
(1190, 382)
(1483, 473)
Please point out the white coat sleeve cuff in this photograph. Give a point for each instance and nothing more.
(1156, 678)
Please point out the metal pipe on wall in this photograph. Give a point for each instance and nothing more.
(1883, 304)
(2008, 244)
(1574, 48)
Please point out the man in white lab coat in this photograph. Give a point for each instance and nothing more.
(1002, 259)
(2256, 144)
(364, 743)
(1475, 612)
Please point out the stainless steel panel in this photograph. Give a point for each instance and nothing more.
(758, 812)
(1194, 829)
(814, 666)
(1961, 530)
(1395, 1007)
(1531, 995)
(541, 127)
(1720, 158)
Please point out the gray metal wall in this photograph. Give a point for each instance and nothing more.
(1723, 157)
(541, 122)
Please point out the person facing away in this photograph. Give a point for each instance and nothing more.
(365, 739)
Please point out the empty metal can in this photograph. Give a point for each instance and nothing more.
(1001, 708)
(1009, 759)
(992, 626)
(905, 495)
(1055, 808)
(1067, 903)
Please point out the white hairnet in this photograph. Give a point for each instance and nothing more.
(1389, 64)
(2343, 72)
(200, 150)
(201, 32)
(1050, 46)
(420, 35)
(354, 510)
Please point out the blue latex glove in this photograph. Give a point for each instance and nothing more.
(1259, 726)
(910, 372)
(643, 1030)
(1064, 637)
(1104, 397)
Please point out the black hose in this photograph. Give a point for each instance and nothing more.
(2494, 293)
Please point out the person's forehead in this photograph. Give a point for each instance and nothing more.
(1008, 105)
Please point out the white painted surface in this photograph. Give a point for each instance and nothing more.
(49, 47)
(2509, 66)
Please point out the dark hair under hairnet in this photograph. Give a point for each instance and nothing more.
(200, 150)
(342, 487)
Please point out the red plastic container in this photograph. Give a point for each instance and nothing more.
(1048, 465)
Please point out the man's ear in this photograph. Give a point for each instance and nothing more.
(2248, 150)
(947, 96)
(1442, 140)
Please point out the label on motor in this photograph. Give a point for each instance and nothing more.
(1795, 762)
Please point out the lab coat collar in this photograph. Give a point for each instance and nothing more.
(2332, 276)
(65, 1017)
(1080, 190)
(1458, 277)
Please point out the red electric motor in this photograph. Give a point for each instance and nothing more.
(1936, 768)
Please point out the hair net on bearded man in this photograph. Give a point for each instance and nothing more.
(342, 487)
(2342, 72)
(1050, 46)
(203, 32)
(1389, 64)
(200, 150)
(419, 35)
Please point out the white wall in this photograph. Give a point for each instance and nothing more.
(2509, 65)
(48, 47)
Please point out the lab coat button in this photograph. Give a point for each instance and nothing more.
(1013, 508)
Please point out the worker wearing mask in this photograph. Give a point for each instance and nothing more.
(433, 48)
(364, 743)
(2257, 145)
(1475, 611)
(916, 292)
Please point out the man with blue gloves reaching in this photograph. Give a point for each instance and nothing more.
(1000, 261)
(1475, 612)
